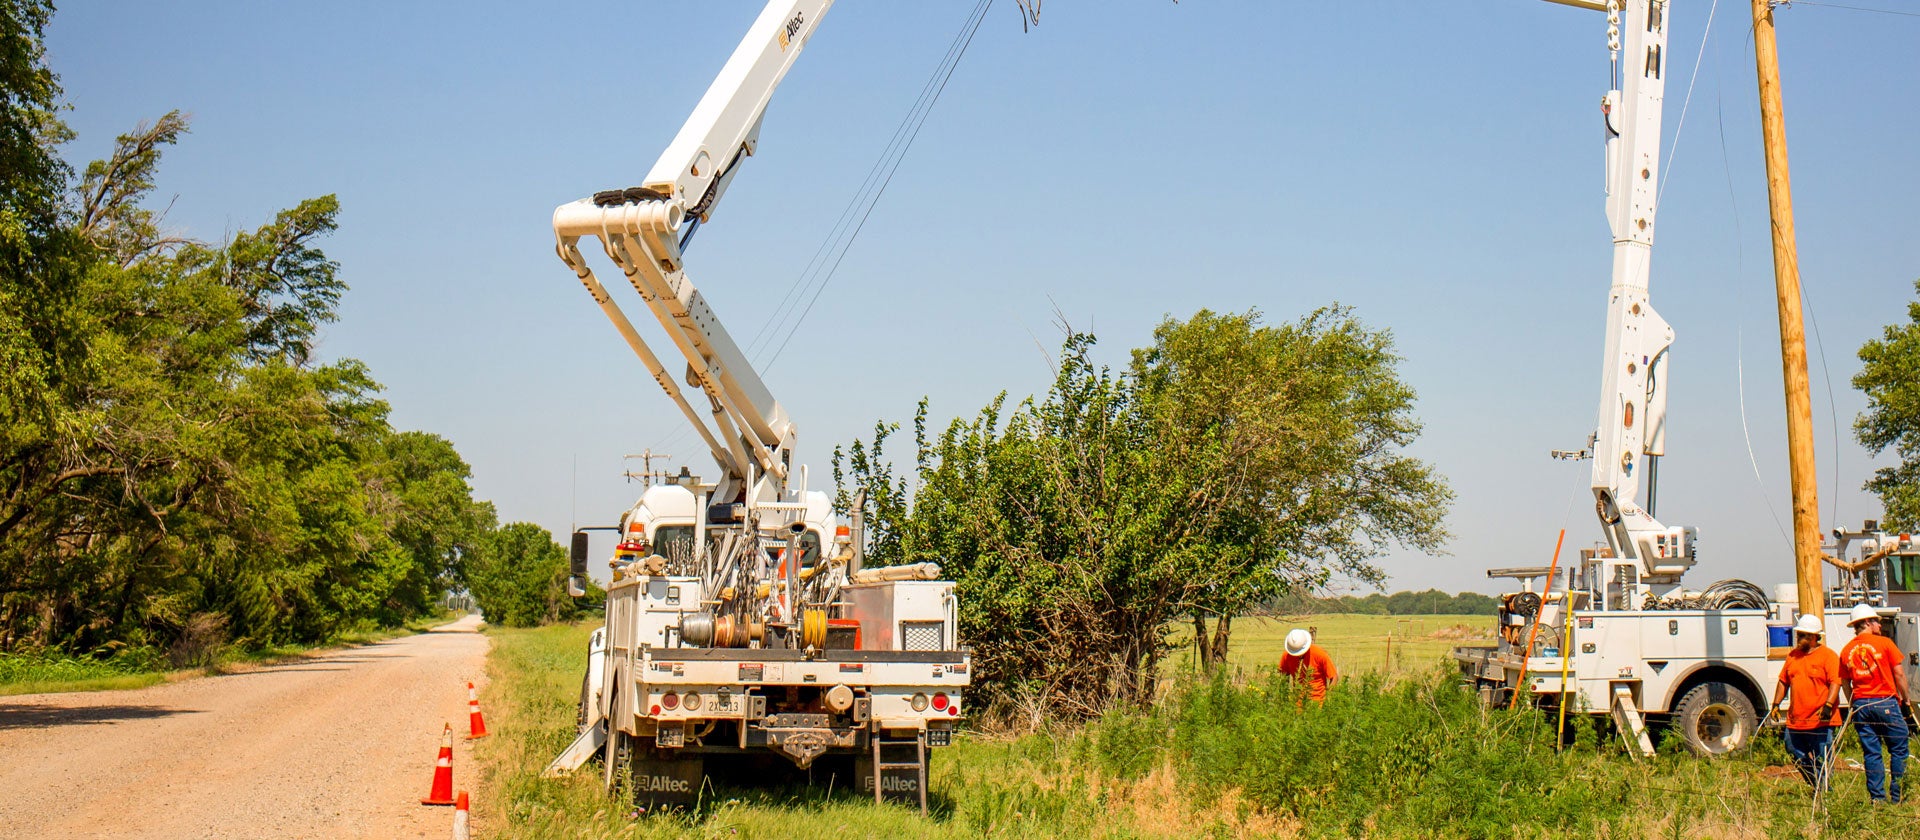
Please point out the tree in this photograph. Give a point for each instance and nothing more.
(1890, 377)
(518, 577)
(173, 461)
(1291, 440)
(1231, 463)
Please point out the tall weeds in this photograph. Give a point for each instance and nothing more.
(1421, 758)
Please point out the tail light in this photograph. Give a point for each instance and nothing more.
(671, 701)
(940, 701)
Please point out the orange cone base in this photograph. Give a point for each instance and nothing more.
(436, 802)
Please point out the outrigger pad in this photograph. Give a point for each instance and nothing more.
(585, 747)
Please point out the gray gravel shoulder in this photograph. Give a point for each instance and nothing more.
(339, 744)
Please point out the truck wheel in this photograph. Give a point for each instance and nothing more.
(618, 759)
(1715, 719)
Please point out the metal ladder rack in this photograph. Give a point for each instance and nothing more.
(881, 745)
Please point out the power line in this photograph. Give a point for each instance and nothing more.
(908, 131)
(1792, 3)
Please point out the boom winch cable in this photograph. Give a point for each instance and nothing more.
(813, 279)
(819, 271)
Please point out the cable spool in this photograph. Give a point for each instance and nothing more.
(813, 629)
(698, 629)
(1526, 604)
(1733, 594)
(1535, 636)
(726, 632)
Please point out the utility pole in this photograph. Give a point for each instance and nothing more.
(647, 473)
(1793, 339)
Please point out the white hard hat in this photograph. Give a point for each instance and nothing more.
(1861, 612)
(1810, 625)
(1298, 640)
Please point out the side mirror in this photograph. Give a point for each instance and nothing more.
(577, 558)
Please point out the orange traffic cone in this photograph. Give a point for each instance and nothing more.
(474, 721)
(442, 772)
(461, 830)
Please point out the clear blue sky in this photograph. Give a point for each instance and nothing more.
(1437, 166)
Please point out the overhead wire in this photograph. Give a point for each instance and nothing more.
(804, 279)
(1740, 370)
(1791, 3)
(1673, 149)
(819, 270)
(890, 160)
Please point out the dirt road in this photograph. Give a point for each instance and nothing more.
(337, 745)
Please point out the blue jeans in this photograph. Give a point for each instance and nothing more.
(1878, 720)
(1809, 750)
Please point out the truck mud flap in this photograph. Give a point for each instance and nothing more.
(660, 781)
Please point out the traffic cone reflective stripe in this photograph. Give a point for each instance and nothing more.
(476, 724)
(461, 830)
(442, 772)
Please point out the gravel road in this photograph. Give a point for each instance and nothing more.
(335, 745)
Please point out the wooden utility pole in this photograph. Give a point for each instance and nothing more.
(647, 474)
(1793, 339)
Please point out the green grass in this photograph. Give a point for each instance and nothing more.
(46, 674)
(1396, 752)
(52, 673)
(1038, 785)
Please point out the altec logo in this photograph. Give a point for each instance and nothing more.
(793, 29)
(665, 784)
(892, 784)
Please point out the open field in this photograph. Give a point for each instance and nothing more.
(1394, 644)
(1401, 755)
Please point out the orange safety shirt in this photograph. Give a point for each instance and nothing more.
(1810, 678)
(1313, 668)
(1869, 660)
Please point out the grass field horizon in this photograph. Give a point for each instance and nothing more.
(1359, 644)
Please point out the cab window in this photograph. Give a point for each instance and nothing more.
(674, 542)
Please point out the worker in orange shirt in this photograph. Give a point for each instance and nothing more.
(1811, 681)
(1871, 665)
(1308, 664)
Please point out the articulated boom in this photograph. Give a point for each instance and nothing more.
(644, 230)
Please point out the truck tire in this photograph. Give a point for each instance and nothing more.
(1715, 719)
(619, 761)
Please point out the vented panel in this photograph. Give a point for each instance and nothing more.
(923, 635)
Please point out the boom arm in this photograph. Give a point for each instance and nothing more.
(1630, 434)
(645, 229)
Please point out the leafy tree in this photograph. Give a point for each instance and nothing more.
(174, 464)
(1890, 377)
(519, 577)
(1292, 436)
(1230, 464)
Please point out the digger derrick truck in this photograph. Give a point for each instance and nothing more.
(1615, 634)
(740, 623)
